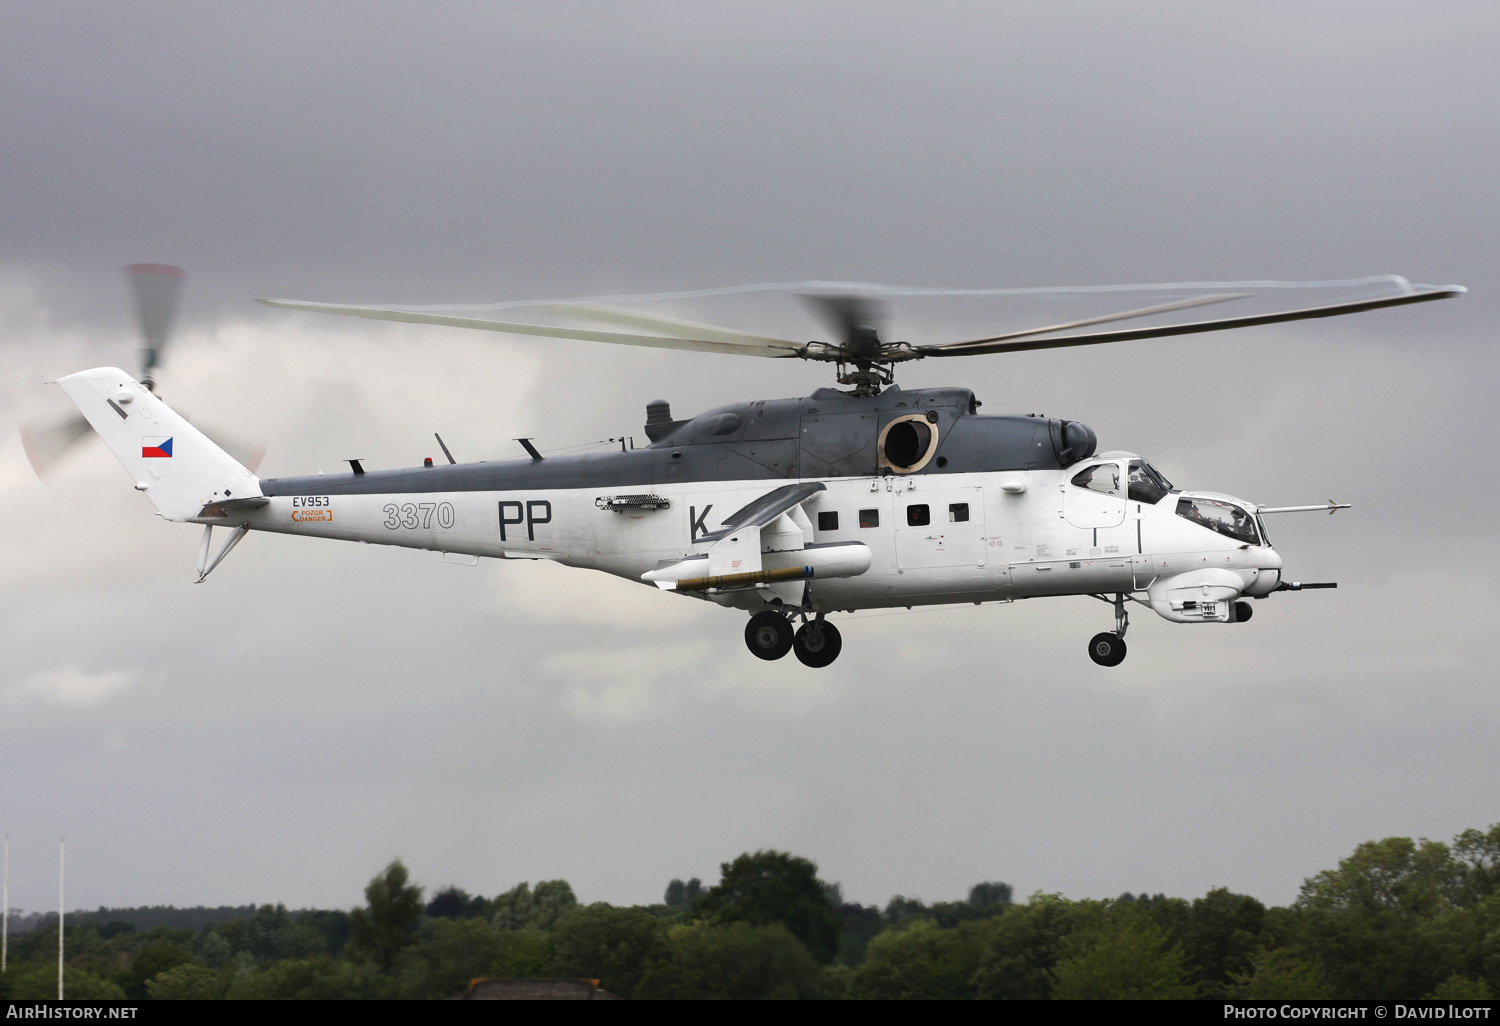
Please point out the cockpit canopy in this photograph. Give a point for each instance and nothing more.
(1144, 482)
(1220, 516)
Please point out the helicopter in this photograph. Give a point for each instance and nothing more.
(791, 510)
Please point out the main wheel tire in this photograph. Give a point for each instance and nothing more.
(768, 635)
(817, 647)
(1107, 649)
(1243, 611)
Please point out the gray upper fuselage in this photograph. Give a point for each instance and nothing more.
(825, 435)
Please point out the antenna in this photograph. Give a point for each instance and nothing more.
(5, 908)
(60, 918)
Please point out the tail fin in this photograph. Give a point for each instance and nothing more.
(174, 463)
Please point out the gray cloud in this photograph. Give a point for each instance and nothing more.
(312, 710)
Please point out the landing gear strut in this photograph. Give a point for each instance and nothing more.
(1108, 649)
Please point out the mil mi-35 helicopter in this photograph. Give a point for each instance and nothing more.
(851, 499)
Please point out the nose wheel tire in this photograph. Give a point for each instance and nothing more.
(768, 635)
(817, 643)
(1107, 649)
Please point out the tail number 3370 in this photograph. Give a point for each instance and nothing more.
(412, 515)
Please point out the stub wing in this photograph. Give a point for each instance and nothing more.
(766, 545)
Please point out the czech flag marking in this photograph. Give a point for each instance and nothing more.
(156, 447)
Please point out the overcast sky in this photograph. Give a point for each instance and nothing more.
(281, 731)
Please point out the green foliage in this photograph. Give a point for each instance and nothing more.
(682, 895)
(455, 903)
(1021, 947)
(312, 979)
(858, 926)
(38, 982)
(1279, 975)
(994, 893)
(270, 935)
(1478, 858)
(455, 952)
(147, 917)
(775, 887)
(737, 960)
(379, 932)
(612, 945)
(921, 961)
(524, 954)
(150, 962)
(187, 982)
(1396, 919)
(1386, 922)
(1220, 933)
(1459, 988)
(520, 907)
(1121, 954)
(331, 924)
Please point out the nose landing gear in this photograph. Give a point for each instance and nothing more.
(769, 635)
(1108, 648)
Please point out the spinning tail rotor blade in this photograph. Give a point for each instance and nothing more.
(45, 443)
(155, 287)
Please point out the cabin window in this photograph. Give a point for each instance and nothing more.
(1101, 477)
(869, 518)
(958, 512)
(1222, 517)
(828, 521)
(918, 515)
(1146, 483)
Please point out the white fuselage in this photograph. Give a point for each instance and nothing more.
(988, 537)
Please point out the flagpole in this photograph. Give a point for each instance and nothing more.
(60, 841)
(5, 909)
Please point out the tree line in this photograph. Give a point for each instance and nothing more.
(1397, 919)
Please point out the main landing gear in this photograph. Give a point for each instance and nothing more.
(769, 635)
(1108, 648)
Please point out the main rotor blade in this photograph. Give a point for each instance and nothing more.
(46, 443)
(155, 287)
(762, 348)
(1144, 311)
(673, 326)
(980, 347)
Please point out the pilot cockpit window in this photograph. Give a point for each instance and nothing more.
(1224, 517)
(1102, 477)
(1146, 483)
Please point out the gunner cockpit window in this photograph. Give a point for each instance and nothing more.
(1146, 483)
(1101, 477)
(1224, 517)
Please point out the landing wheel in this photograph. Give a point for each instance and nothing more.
(1107, 649)
(817, 643)
(768, 635)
